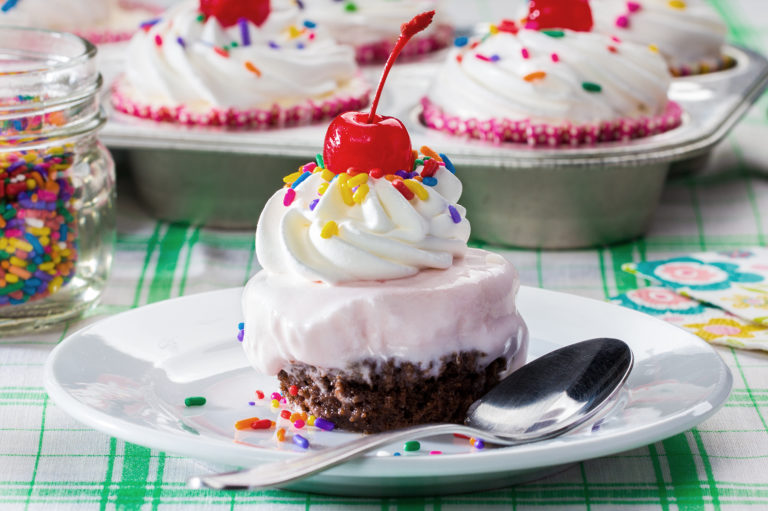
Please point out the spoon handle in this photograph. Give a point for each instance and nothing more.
(280, 473)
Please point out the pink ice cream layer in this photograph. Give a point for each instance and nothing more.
(421, 319)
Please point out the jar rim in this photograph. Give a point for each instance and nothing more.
(32, 60)
(88, 52)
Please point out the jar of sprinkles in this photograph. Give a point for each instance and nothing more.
(57, 182)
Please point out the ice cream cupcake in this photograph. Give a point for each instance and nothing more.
(370, 308)
(237, 64)
(372, 26)
(551, 86)
(689, 34)
(99, 21)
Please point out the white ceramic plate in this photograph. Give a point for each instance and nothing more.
(128, 376)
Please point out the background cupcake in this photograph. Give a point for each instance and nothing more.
(237, 64)
(551, 86)
(99, 21)
(688, 33)
(371, 26)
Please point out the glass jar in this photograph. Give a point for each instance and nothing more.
(57, 182)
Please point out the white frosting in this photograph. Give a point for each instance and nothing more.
(293, 68)
(372, 21)
(81, 16)
(421, 319)
(686, 36)
(634, 80)
(384, 237)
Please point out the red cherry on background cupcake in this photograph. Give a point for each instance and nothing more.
(367, 141)
(570, 14)
(228, 12)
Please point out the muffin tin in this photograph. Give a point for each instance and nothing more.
(515, 196)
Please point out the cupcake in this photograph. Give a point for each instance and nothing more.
(372, 26)
(370, 308)
(689, 34)
(99, 21)
(553, 86)
(237, 64)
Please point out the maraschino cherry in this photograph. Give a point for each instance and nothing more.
(367, 141)
(572, 14)
(229, 12)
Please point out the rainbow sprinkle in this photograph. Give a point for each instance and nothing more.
(455, 216)
(411, 446)
(324, 424)
(245, 34)
(301, 441)
(591, 87)
(194, 401)
(330, 229)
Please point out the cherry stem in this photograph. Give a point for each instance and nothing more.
(407, 30)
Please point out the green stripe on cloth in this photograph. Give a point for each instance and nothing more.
(108, 475)
(686, 488)
(193, 239)
(131, 494)
(151, 244)
(661, 485)
(133, 479)
(713, 491)
(587, 501)
(37, 456)
(167, 260)
(622, 254)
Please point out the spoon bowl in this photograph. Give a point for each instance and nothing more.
(545, 398)
(539, 401)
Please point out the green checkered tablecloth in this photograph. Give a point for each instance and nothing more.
(49, 461)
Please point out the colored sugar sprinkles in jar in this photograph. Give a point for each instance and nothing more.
(56, 180)
(38, 228)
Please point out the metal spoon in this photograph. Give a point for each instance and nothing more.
(545, 398)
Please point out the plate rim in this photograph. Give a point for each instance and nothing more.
(493, 460)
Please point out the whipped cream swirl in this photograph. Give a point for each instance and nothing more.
(371, 21)
(384, 236)
(686, 33)
(566, 76)
(186, 60)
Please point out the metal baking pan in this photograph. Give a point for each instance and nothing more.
(515, 196)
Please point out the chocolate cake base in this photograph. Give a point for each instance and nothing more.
(373, 397)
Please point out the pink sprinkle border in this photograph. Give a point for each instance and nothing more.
(549, 135)
(106, 36)
(379, 51)
(304, 113)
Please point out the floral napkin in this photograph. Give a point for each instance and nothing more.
(735, 281)
(710, 323)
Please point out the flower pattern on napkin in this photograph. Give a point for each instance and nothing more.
(658, 300)
(735, 280)
(690, 273)
(712, 324)
(724, 328)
